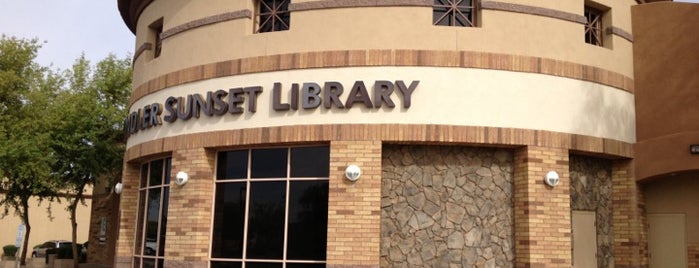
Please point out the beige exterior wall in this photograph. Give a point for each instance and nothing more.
(523, 81)
(332, 29)
(447, 96)
(676, 194)
(45, 226)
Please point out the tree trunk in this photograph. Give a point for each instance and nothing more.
(28, 228)
(74, 225)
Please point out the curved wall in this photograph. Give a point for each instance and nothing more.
(222, 30)
(524, 81)
(441, 96)
(514, 71)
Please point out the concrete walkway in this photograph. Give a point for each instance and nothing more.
(41, 263)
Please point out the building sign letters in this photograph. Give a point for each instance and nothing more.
(307, 96)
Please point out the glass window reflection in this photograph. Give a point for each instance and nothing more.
(268, 163)
(258, 191)
(310, 162)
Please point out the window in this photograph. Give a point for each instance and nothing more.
(156, 29)
(272, 16)
(454, 13)
(153, 195)
(271, 208)
(593, 26)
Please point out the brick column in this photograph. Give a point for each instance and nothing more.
(127, 216)
(692, 255)
(354, 208)
(189, 214)
(105, 205)
(630, 237)
(542, 213)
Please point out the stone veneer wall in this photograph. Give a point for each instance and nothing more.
(447, 207)
(591, 190)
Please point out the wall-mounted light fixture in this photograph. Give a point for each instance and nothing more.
(118, 187)
(552, 179)
(181, 178)
(353, 172)
(694, 148)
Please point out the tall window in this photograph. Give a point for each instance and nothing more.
(271, 208)
(454, 13)
(153, 195)
(272, 16)
(593, 26)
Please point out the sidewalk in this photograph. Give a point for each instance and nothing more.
(31, 263)
(41, 263)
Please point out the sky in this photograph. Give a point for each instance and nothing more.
(68, 28)
(71, 27)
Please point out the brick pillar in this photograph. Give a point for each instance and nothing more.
(189, 214)
(630, 238)
(127, 216)
(354, 208)
(105, 205)
(692, 255)
(542, 213)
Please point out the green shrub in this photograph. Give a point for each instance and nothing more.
(9, 250)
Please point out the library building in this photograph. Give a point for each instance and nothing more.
(408, 133)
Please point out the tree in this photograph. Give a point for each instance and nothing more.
(87, 134)
(58, 131)
(25, 156)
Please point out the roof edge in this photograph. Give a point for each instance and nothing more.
(130, 10)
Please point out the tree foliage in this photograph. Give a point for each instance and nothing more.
(59, 131)
(87, 133)
(25, 155)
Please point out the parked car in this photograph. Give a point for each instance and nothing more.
(40, 251)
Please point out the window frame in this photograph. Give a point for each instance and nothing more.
(144, 189)
(594, 26)
(278, 13)
(156, 31)
(248, 181)
(455, 10)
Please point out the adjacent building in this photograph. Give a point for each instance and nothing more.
(49, 220)
(486, 133)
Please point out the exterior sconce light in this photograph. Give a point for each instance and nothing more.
(181, 178)
(353, 172)
(552, 179)
(694, 148)
(118, 187)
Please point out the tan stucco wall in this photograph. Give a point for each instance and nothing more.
(667, 85)
(676, 194)
(371, 28)
(447, 96)
(45, 226)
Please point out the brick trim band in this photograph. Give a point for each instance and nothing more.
(387, 133)
(532, 10)
(350, 266)
(141, 49)
(238, 14)
(620, 32)
(328, 4)
(364, 58)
